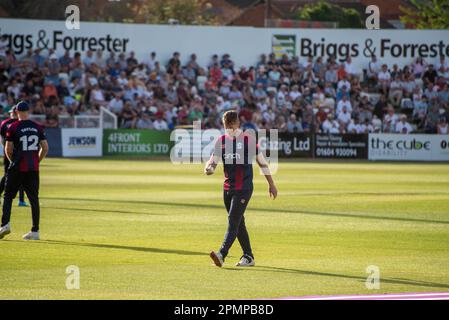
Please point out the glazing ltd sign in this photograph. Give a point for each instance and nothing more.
(420, 147)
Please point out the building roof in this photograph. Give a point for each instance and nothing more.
(253, 12)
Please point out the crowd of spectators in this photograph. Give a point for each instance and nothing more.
(314, 94)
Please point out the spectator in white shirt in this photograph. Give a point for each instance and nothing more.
(3, 45)
(331, 75)
(408, 85)
(222, 105)
(355, 126)
(366, 127)
(144, 122)
(349, 67)
(294, 93)
(308, 62)
(344, 83)
(344, 103)
(281, 96)
(97, 96)
(100, 60)
(395, 94)
(330, 125)
(373, 68)
(384, 78)
(293, 125)
(390, 120)
(89, 59)
(160, 124)
(344, 117)
(116, 105)
(403, 126)
(443, 64)
(14, 89)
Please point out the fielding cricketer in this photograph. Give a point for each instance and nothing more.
(237, 149)
(26, 146)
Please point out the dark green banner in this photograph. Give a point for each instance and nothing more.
(136, 142)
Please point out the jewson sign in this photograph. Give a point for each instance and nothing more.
(390, 46)
(81, 142)
(420, 147)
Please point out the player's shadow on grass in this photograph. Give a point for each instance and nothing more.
(299, 211)
(122, 247)
(99, 210)
(345, 276)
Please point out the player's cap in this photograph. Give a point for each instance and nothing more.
(13, 109)
(22, 106)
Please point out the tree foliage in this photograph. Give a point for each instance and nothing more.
(137, 11)
(326, 12)
(426, 14)
(186, 12)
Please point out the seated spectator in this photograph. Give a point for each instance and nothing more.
(344, 83)
(63, 90)
(116, 105)
(330, 125)
(384, 78)
(443, 95)
(160, 124)
(355, 127)
(344, 103)
(293, 125)
(144, 122)
(331, 75)
(390, 120)
(396, 91)
(403, 126)
(429, 75)
(366, 127)
(128, 116)
(349, 68)
(274, 76)
(442, 126)
(51, 120)
(418, 67)
(341, 73)
(49, 91)
(344, 117)
(280, 124)
(373, 69)
(97, 96)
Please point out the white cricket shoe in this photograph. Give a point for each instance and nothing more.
(5, 230)
(246, 261)
(217, 258)
(31, 236)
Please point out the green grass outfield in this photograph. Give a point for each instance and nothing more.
(143, 230)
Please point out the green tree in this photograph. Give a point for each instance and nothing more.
(184, 11)
(133, 11)
(326, 12)
(426, 14)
